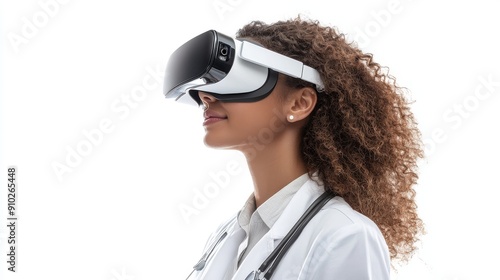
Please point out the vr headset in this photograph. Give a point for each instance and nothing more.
(231, 70)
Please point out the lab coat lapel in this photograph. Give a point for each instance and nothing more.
(223, 256)
(297, 206)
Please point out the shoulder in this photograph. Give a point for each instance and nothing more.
(339, 228)
(344, 244)
(337, 213)
(338, 217)
(337, 207)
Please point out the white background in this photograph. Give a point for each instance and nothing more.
(67, 69)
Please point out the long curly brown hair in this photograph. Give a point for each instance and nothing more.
(361, 139)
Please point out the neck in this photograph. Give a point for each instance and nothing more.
(273, 166)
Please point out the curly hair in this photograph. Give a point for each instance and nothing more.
(361, 139)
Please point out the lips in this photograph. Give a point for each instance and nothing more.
(212, 116)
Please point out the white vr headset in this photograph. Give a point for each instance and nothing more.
(231, 70)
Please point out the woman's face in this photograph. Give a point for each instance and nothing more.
(244, 125)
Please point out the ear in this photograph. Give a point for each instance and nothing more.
(300, 104)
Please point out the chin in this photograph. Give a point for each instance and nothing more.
(215, 142)
(220, 142)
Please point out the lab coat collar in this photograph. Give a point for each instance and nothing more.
(304, 197)
(297, 206)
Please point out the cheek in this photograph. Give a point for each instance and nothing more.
(256, 127)
(251, 120)
(247, 124)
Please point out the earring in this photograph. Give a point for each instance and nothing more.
(290, 117)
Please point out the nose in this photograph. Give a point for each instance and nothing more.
(206, 98)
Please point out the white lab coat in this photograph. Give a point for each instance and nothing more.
(338, 243)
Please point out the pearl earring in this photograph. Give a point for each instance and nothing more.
(291, 117)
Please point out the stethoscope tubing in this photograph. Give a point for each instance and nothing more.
(272, 261)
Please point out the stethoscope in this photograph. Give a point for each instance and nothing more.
(271, 263)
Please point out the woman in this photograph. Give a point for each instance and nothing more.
(355, 139)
